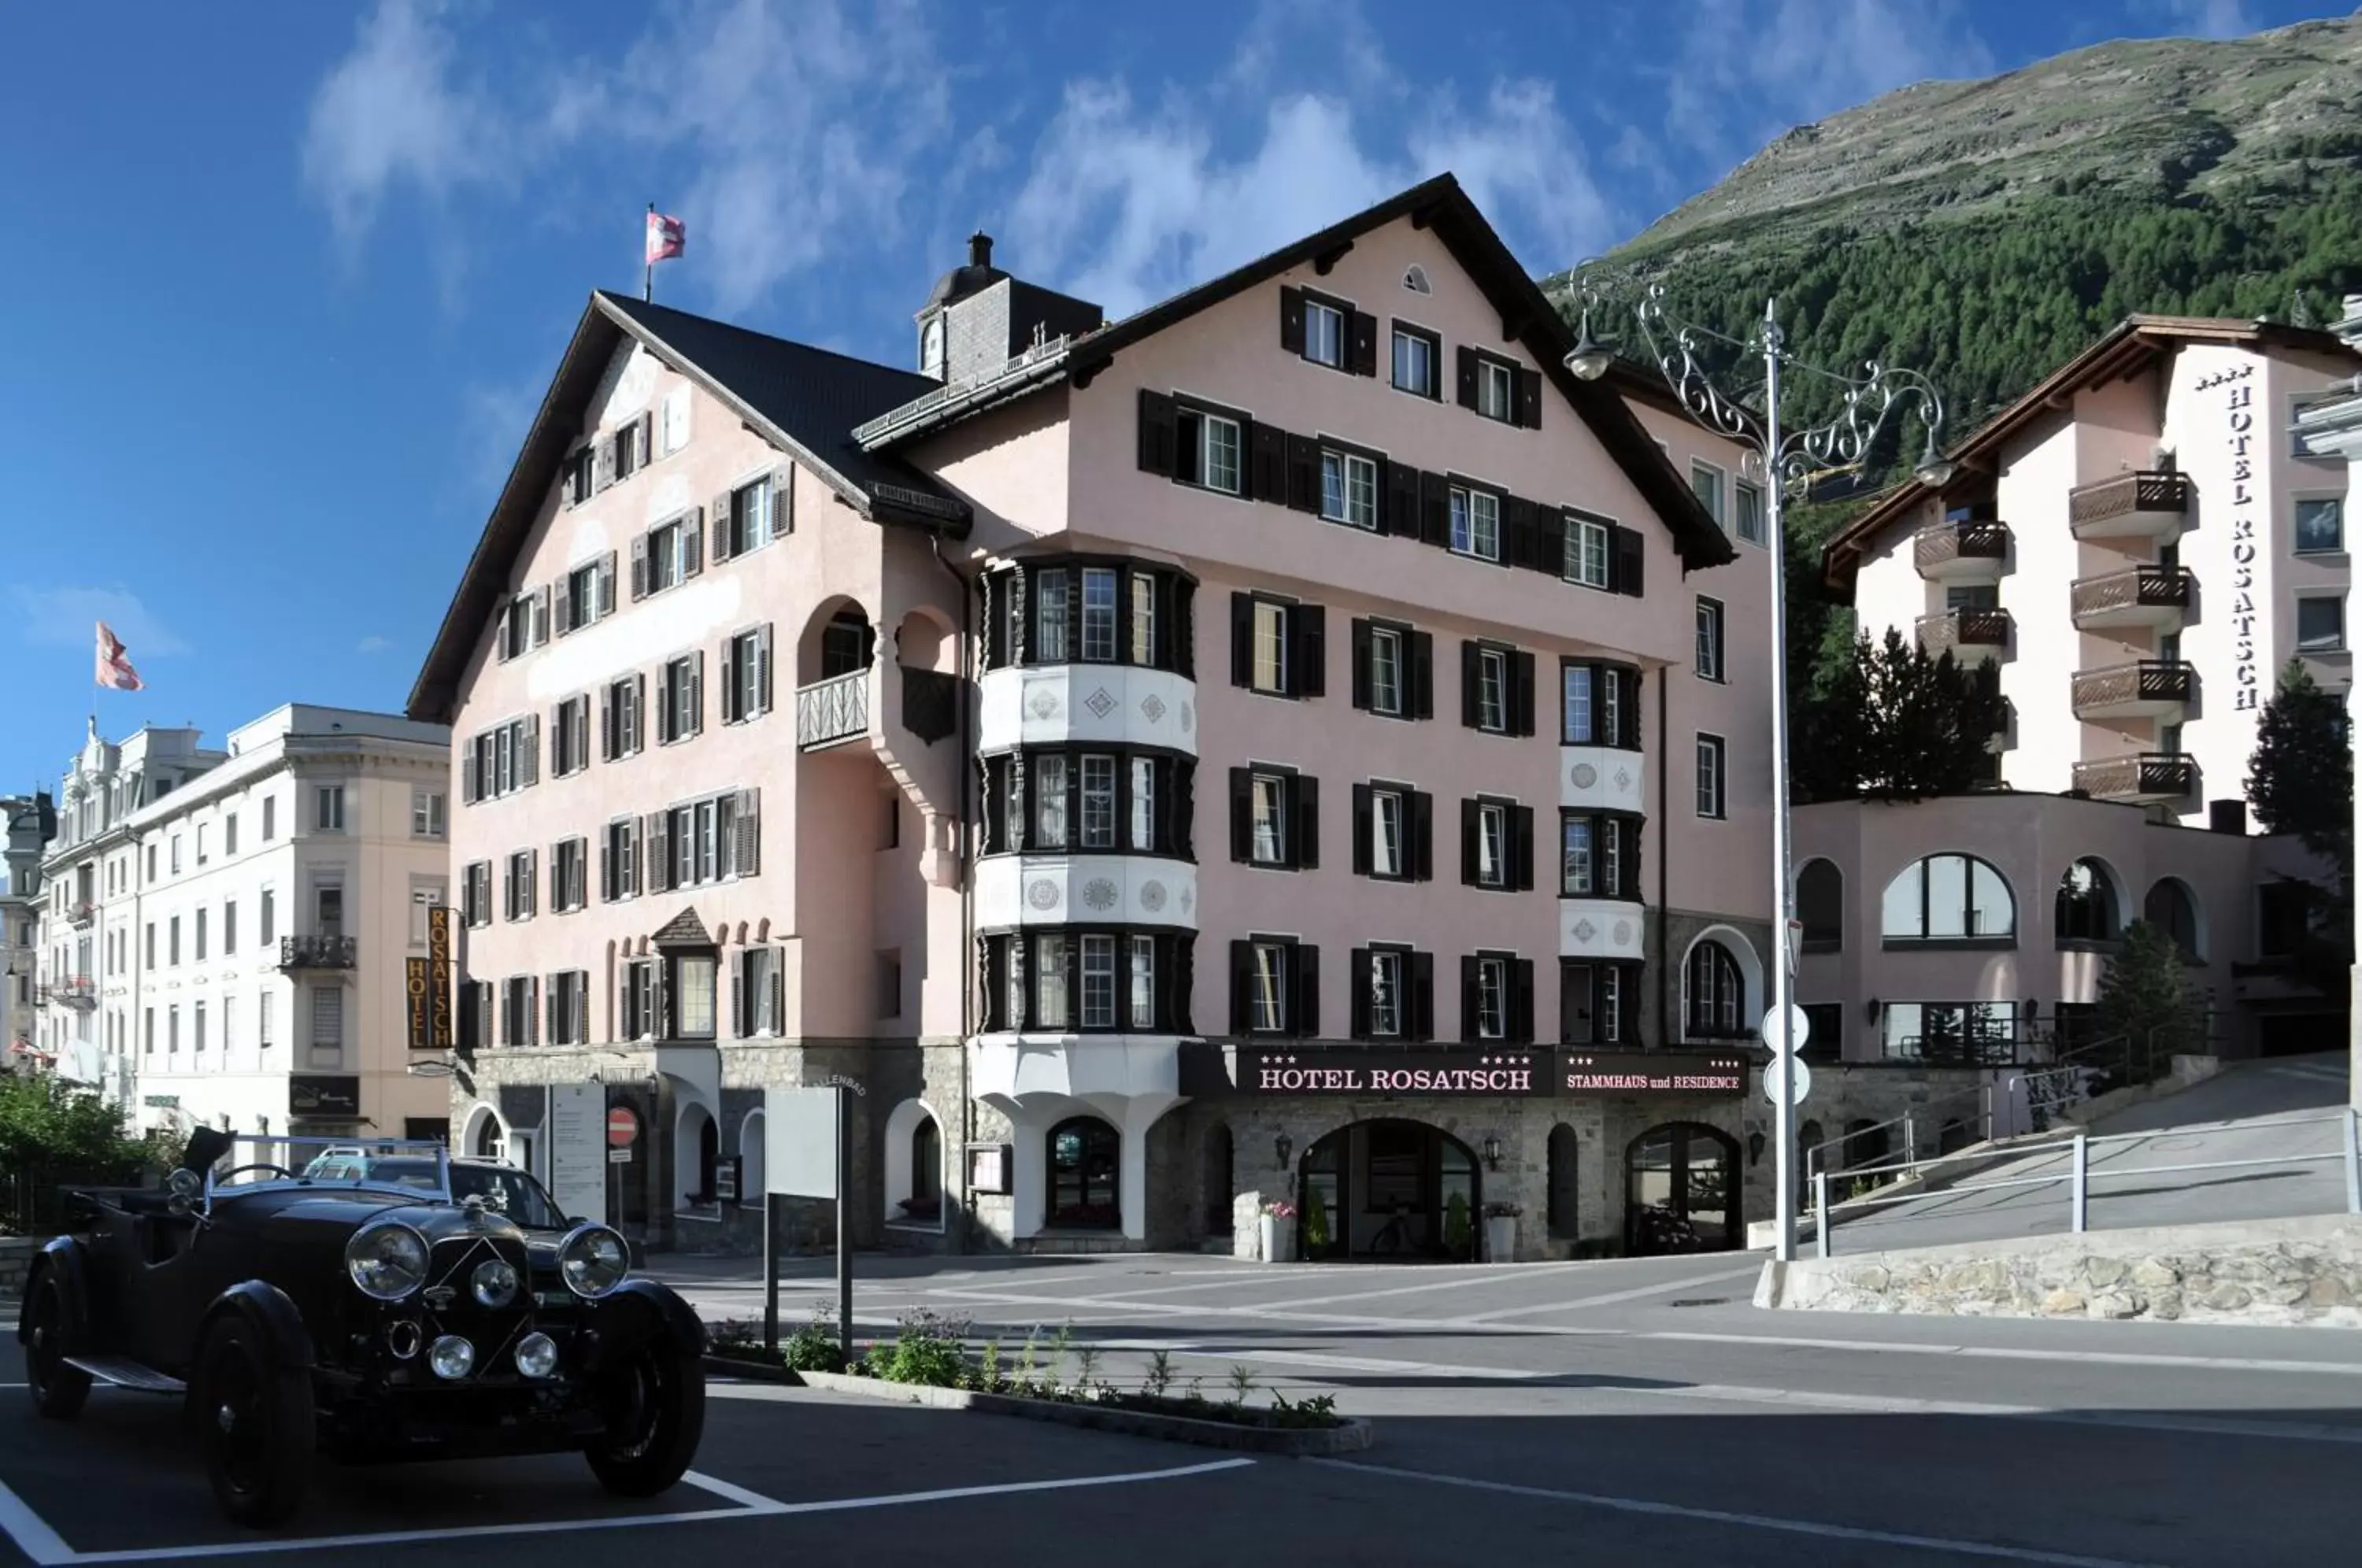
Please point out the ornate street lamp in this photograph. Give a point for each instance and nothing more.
(1789, 458)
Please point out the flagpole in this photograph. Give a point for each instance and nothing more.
(648, 266)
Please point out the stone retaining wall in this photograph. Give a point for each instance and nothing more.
(16, 1255)
(2273, 1271)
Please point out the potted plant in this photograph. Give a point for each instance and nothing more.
(1278, 1226)
(1501, 1231)
(1316, 1228)
(1458, 1236)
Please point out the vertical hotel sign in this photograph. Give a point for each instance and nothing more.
(2239, 421)
(427, 983)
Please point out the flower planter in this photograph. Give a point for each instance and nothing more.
(1350, 1435)
(1500, 1238)
(1278, 1239)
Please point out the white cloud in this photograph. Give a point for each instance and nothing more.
(67, 616)
(2206, 18)
(372, 645)
(391, 113)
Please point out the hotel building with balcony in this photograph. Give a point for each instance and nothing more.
(1132, 751)
(2142, 542)
(224, 930)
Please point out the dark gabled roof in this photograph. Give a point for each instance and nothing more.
(804, 401)
(2124, 350)
(1526, 318)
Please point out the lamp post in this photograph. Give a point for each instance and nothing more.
(1788, 457)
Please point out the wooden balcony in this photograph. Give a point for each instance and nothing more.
(2144, 504)
(1966, 634)
(2148, 689)
(1963, 550)
(2143, 778)
(2137, 596)
(832, 712)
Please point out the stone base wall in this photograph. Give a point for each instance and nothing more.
(16, 1255)
(2273, 1271)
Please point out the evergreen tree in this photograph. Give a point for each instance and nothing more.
(1894, 723)
(2300, 776)
(2145, 999)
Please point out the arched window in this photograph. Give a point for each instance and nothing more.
(1949, 898)
(1714, 999)
(1821, 906)
(1564, 1191)
(2085, 909)
(1415, 280)
(1084, 1160)
(926, 1200)
(2170, 908)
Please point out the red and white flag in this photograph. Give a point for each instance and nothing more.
(666, 237)
(114, 670)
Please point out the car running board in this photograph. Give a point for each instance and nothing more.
(122, 1372)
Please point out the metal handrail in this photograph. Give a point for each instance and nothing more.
(2080, 1173)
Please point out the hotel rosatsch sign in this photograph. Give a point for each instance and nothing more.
(1464, 1074)
(2239, 388)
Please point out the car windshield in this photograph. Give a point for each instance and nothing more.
(504, 1189)
(234, 1163)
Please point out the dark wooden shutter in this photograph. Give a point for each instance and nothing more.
(1467, 377)
(655, 852)
(1291, 320)
(1182, 628)
(541, 615)
(1421, 969)
(1303, 473)
(1522, 694)
(1471, 663)
(606, 866)
(1307, 794)
(783, 522)
(639, 565)
(697, 692)
(1362, 332)
(528, 752)
(1308, 631)
(1357, 978)
(729, 712)
(763, 669)
(1267, 464)
(1521, 1000)
(603, 466)
(1243, 639)
(1159, 437)
(1434, 509)
(739, 1010)
(1243, 814)
(468, 786)
(562, 611)
(1361, 661)
(1361, 813)
(749, 825)
(1306, 1024)
(1517, 531)
(1422, 675)
(1242, 986)
(644, 449)
(1470, 980)
(636, 732)
(1547, 551)
(1629, 556)
(1632, 882)
(607, 584)
(1471, 831)
(1420, 835)
(1530, 399)
(719, 509)
(1399, 507)
(692, 543)
(1521, 848)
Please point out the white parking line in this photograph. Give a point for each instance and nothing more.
(38, 1541)
(1612, 1298)
(1744, 1521)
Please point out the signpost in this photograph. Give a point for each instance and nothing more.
(1784, 1075)
(808, 1153)
(578, 1178)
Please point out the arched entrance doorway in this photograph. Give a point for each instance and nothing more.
(1388, 1188)
(1680, 1190)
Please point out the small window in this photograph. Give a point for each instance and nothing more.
(1140, 1009)
(1415, 280)
(1714, 1001)
(1705, 483)
(1496, 390)
(1349, 488)
(1493, 691)
(1387, 817)
(1209, 447)
(1709, 776)
(1099, 802)
(1586, 552)
(328, 808)
(1049, 787)
(1143, 803)
(1415, 358)
(676, 420)
(2085, 907)
(1270, 979)
(426, 813)
(1386, 671)
(1099, 982)
(1492, 844)
(1270, 665)
(1099, 615)
(1947, 898)
(1052, 618)
(2319, 525)
(749, 523)
(1324, 334)
(1269, 820)
(1599, 705)
(1476, 523)
(1385, 1001)
(2320, 623)
(1492, 1007)
(1747, 517)
(1599, 855)
(1710, 639)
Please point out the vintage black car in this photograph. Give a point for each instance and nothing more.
(368, 1315)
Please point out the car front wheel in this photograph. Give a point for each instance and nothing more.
(59, 1390)
(256, 1421)
(653, 1401)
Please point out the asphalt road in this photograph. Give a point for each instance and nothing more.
(2265, 1110)
(1622, 1412)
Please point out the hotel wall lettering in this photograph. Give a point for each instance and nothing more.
(2239, 421)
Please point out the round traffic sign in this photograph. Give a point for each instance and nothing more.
(622, 1127)
(1788, 1075)
(1800, 1029)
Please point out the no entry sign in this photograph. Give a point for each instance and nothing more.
(622, 1127)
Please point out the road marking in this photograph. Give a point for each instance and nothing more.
(47, 1549)
(1744, 1521)
(1612, 1298)
(1525, 1271)
(2000, 1353)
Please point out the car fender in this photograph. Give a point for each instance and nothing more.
(61, 1256)
(638, 1310)
(269, 1309)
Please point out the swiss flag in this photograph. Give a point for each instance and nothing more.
(114, 670)
(666, 237)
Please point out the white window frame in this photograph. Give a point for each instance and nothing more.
(428, 817)
(1386, 671)
(1578, 855)
(1492, 998)
(1049, 978)
(1267, 670)
(1587, 545)
(1757, 530)
(1423, 351)
(1324, 329)
(327, 810)
(1100, 619)
(1142, 771)
(1229, 447)
(1492, 844)
(1496, 390)
(1713, 756)
(2336, 505)
(1711, 496)
(1140, 972)
(1386, 1002)
(1387, 814)
(1098, 828)
(2336, 602)
(1710, 639)
(1270, 971)
(1048, 786)
(1097, 970)
(1493, 691)
(1267, 812)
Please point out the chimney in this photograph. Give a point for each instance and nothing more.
(979, 249)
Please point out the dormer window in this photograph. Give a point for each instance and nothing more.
(931, 347)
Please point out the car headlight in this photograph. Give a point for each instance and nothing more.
(451, 1357)
(592, 1261)
(494, 1284)
(536, 1356)
(387, 1260)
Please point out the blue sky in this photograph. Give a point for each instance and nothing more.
(289, 277)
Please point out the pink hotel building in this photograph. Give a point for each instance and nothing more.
(1296, 740)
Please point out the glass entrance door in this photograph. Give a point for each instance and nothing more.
(1680, 1190)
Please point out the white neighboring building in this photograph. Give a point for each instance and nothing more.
(251, 924)
(25, 826)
